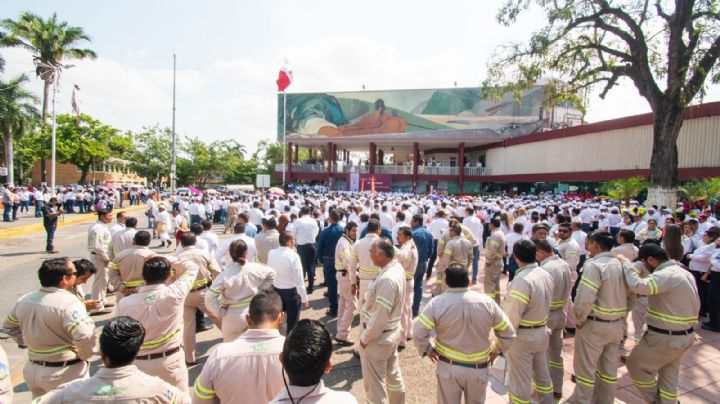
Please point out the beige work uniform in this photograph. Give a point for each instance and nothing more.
(49, 322)
(673, 305)
(246, 370)
(346, 278)
(265, 241)
(527, 305)
(569, 251)
(232, 212)
(6, 388)
(492, 257)
(464, 232)
(600, 305)
(159, 308)
(562, 285)
(126, 269)
(638, 305)
(458, 250)
(121, 241)
(380, 318)
(462, 320)
(196, 299)
(229, 296)
(407, 256)
(98, 244)
(362, 264)
(125, 384)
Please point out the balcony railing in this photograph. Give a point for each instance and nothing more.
(393, 170)
(389, 169)
(476, 171)
(437, 170)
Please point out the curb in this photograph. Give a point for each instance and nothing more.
(74, 219)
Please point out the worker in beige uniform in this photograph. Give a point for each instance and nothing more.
(491, 257)
(208, 269)
(125, 273)
(527, 305)
(268, 239)
(462, 320)
(159, 307)
(98, 244)
(673, 306)
(407, 256)
(458, 250)
(306, 358)
(123, 239)
(380, 322)
(232, 211)
(361, 262)
(231, 292)
(119, 380)
(6, 387)
(638, 305)
(562, 284)
(464, 232)
(347, 284)
(600, 305)
(54, 326)
(569, 251)
(254, 355)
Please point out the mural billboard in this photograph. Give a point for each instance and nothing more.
(346, 114)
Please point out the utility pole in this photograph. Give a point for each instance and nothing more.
(174, 145)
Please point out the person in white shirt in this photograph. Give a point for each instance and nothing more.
(119, 224)
(200, 242)
(306, 229)
(222, 254)
(386, 219)
(164, 225)
(399, 222)
(197, 211)
(437, 228)
(579, 235)
(700, 262)
(510, 240)
(288, 282)
(475, 225)
(210, 237)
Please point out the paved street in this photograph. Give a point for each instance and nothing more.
(699, 380)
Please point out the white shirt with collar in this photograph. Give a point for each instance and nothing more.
(116, 227)
(288, 268)
(305, 230)
(212, 241)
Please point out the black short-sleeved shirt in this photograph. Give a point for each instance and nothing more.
(47, 210)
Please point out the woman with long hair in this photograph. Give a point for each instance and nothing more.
(230, 294)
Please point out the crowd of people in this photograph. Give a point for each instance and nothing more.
(594, 270)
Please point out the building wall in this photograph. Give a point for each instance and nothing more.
(619, 149)
(69, 174)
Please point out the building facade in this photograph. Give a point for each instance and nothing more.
(469, 161)
(112, 171)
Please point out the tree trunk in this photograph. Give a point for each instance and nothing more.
(9, 157)
(664, 164)
(83, 176)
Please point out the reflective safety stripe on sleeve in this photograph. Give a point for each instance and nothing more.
(520, 296)
(426, 321)
(203, 392)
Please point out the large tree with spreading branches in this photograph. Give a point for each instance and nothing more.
(668, 49)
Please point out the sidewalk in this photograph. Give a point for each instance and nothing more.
(30, 224)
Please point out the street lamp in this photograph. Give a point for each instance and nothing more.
(56, 69)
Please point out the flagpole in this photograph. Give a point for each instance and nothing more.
(173, 165)
(284, 150)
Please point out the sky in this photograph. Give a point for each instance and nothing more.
(229, 53)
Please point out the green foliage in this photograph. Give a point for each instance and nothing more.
(85, 142)
(625, 189)
(704, 189)
(18, 115)
(669, 50)
(51, 41)
(151, 154)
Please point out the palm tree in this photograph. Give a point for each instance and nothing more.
(2, 61)
(51, 41)
(626, 189)
(17, 115)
